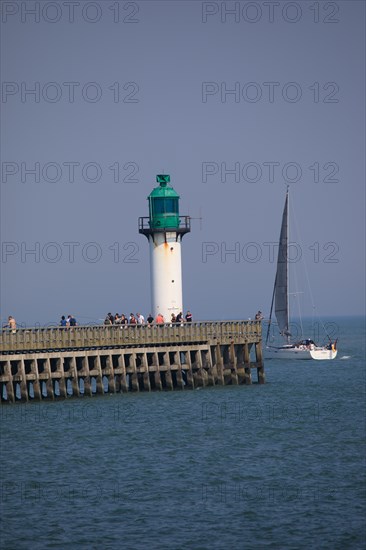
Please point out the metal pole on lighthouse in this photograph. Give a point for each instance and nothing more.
(164, 229)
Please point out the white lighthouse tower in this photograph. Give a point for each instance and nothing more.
(164, 229)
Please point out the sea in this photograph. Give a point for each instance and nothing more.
(279, 465)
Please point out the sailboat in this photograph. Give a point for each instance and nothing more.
(303, 349)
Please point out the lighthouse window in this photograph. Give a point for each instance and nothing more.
(166, 206)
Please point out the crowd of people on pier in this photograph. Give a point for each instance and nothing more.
(133, 320)
(139, 320)
(123, 320)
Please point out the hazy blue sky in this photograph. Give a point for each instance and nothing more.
(123, 91)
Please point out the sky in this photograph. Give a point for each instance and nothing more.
(235, 100)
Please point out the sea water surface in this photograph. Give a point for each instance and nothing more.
(279, 465)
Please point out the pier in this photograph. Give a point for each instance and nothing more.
(59, 363)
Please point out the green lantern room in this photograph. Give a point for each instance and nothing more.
(164, 210)
(163, 205)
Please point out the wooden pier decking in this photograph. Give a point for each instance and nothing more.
(37, 364)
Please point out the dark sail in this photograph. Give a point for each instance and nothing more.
(281, 285)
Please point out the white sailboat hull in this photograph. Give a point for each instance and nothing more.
(321, 354)
(300, 352)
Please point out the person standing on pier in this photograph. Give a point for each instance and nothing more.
(12, 325)
(140, 319)
(159, 319)
(63, 321)
(71, 321)
(189, 317)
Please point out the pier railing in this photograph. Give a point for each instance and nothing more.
(86, 337)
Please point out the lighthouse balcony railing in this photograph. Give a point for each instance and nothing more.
(184, 225)
(114, 336)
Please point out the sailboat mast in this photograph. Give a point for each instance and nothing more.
(287, 263)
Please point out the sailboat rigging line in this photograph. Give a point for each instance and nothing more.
(294, 273)
(304, 262)
(314, 313)
(287, 262)
(270, 314)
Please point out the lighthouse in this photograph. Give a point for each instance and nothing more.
(164, 229)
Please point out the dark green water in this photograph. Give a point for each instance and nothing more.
(274, 466)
